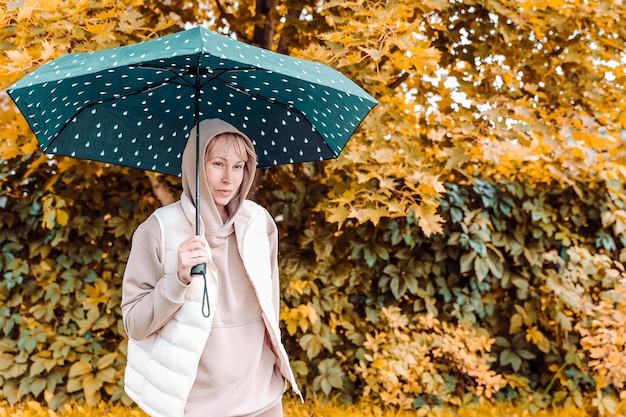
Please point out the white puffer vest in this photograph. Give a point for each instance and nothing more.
(161, 369)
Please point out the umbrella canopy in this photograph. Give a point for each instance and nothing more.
(135, 105)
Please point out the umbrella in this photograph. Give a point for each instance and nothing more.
(135, 105)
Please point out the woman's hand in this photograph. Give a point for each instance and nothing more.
(191, 253)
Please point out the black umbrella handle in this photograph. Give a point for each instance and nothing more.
(199, 269)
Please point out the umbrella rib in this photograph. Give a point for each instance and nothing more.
(171, 71)
(260, 97)
(193, 71)
(122, 96)
(100, 102)
(277, 103)
(215, 77)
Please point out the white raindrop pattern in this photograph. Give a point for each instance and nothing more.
(135, 105)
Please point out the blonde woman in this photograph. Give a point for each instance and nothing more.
(207, 345)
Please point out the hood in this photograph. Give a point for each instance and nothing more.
(209, 128)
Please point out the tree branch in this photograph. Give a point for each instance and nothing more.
(264, 26)
(401, 78)
(160, 189)
(283, 42)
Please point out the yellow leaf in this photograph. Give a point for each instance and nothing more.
(48, 219)
(91, 385)
(375, 54)
(48, 5)
(516, 323)
(97, 29)
(429, 221)
(25, 13)
(431, 225)
(458, 156)
(49, 51)
(30, 147)
(385, 155)
(428, 184)
(311, 313)
(620, 222)
(106, 375)
(107, 360)
(9, 149)
(395, 206)
(372, 215)
(338, 215)
(19, 59)
(379, 363)
(62, 217)
(79, 368)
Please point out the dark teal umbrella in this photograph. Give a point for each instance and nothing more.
(135, 105)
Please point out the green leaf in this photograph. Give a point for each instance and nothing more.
(508, 357)
(398, 289)
(37, 385)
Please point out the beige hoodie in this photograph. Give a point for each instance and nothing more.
(237, 373)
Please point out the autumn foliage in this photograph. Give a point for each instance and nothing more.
(469, 244)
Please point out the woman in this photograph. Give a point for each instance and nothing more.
(187, 358)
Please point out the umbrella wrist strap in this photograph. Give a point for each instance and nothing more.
(201, 270)
(206, 310)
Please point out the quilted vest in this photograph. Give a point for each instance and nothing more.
(161, 369)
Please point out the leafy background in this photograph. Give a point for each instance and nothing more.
(468, 244)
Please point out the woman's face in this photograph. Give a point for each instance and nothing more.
(224, 168)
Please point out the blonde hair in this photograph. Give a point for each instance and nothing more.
(226, 141)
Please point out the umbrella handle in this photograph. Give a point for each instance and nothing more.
(199, 269)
